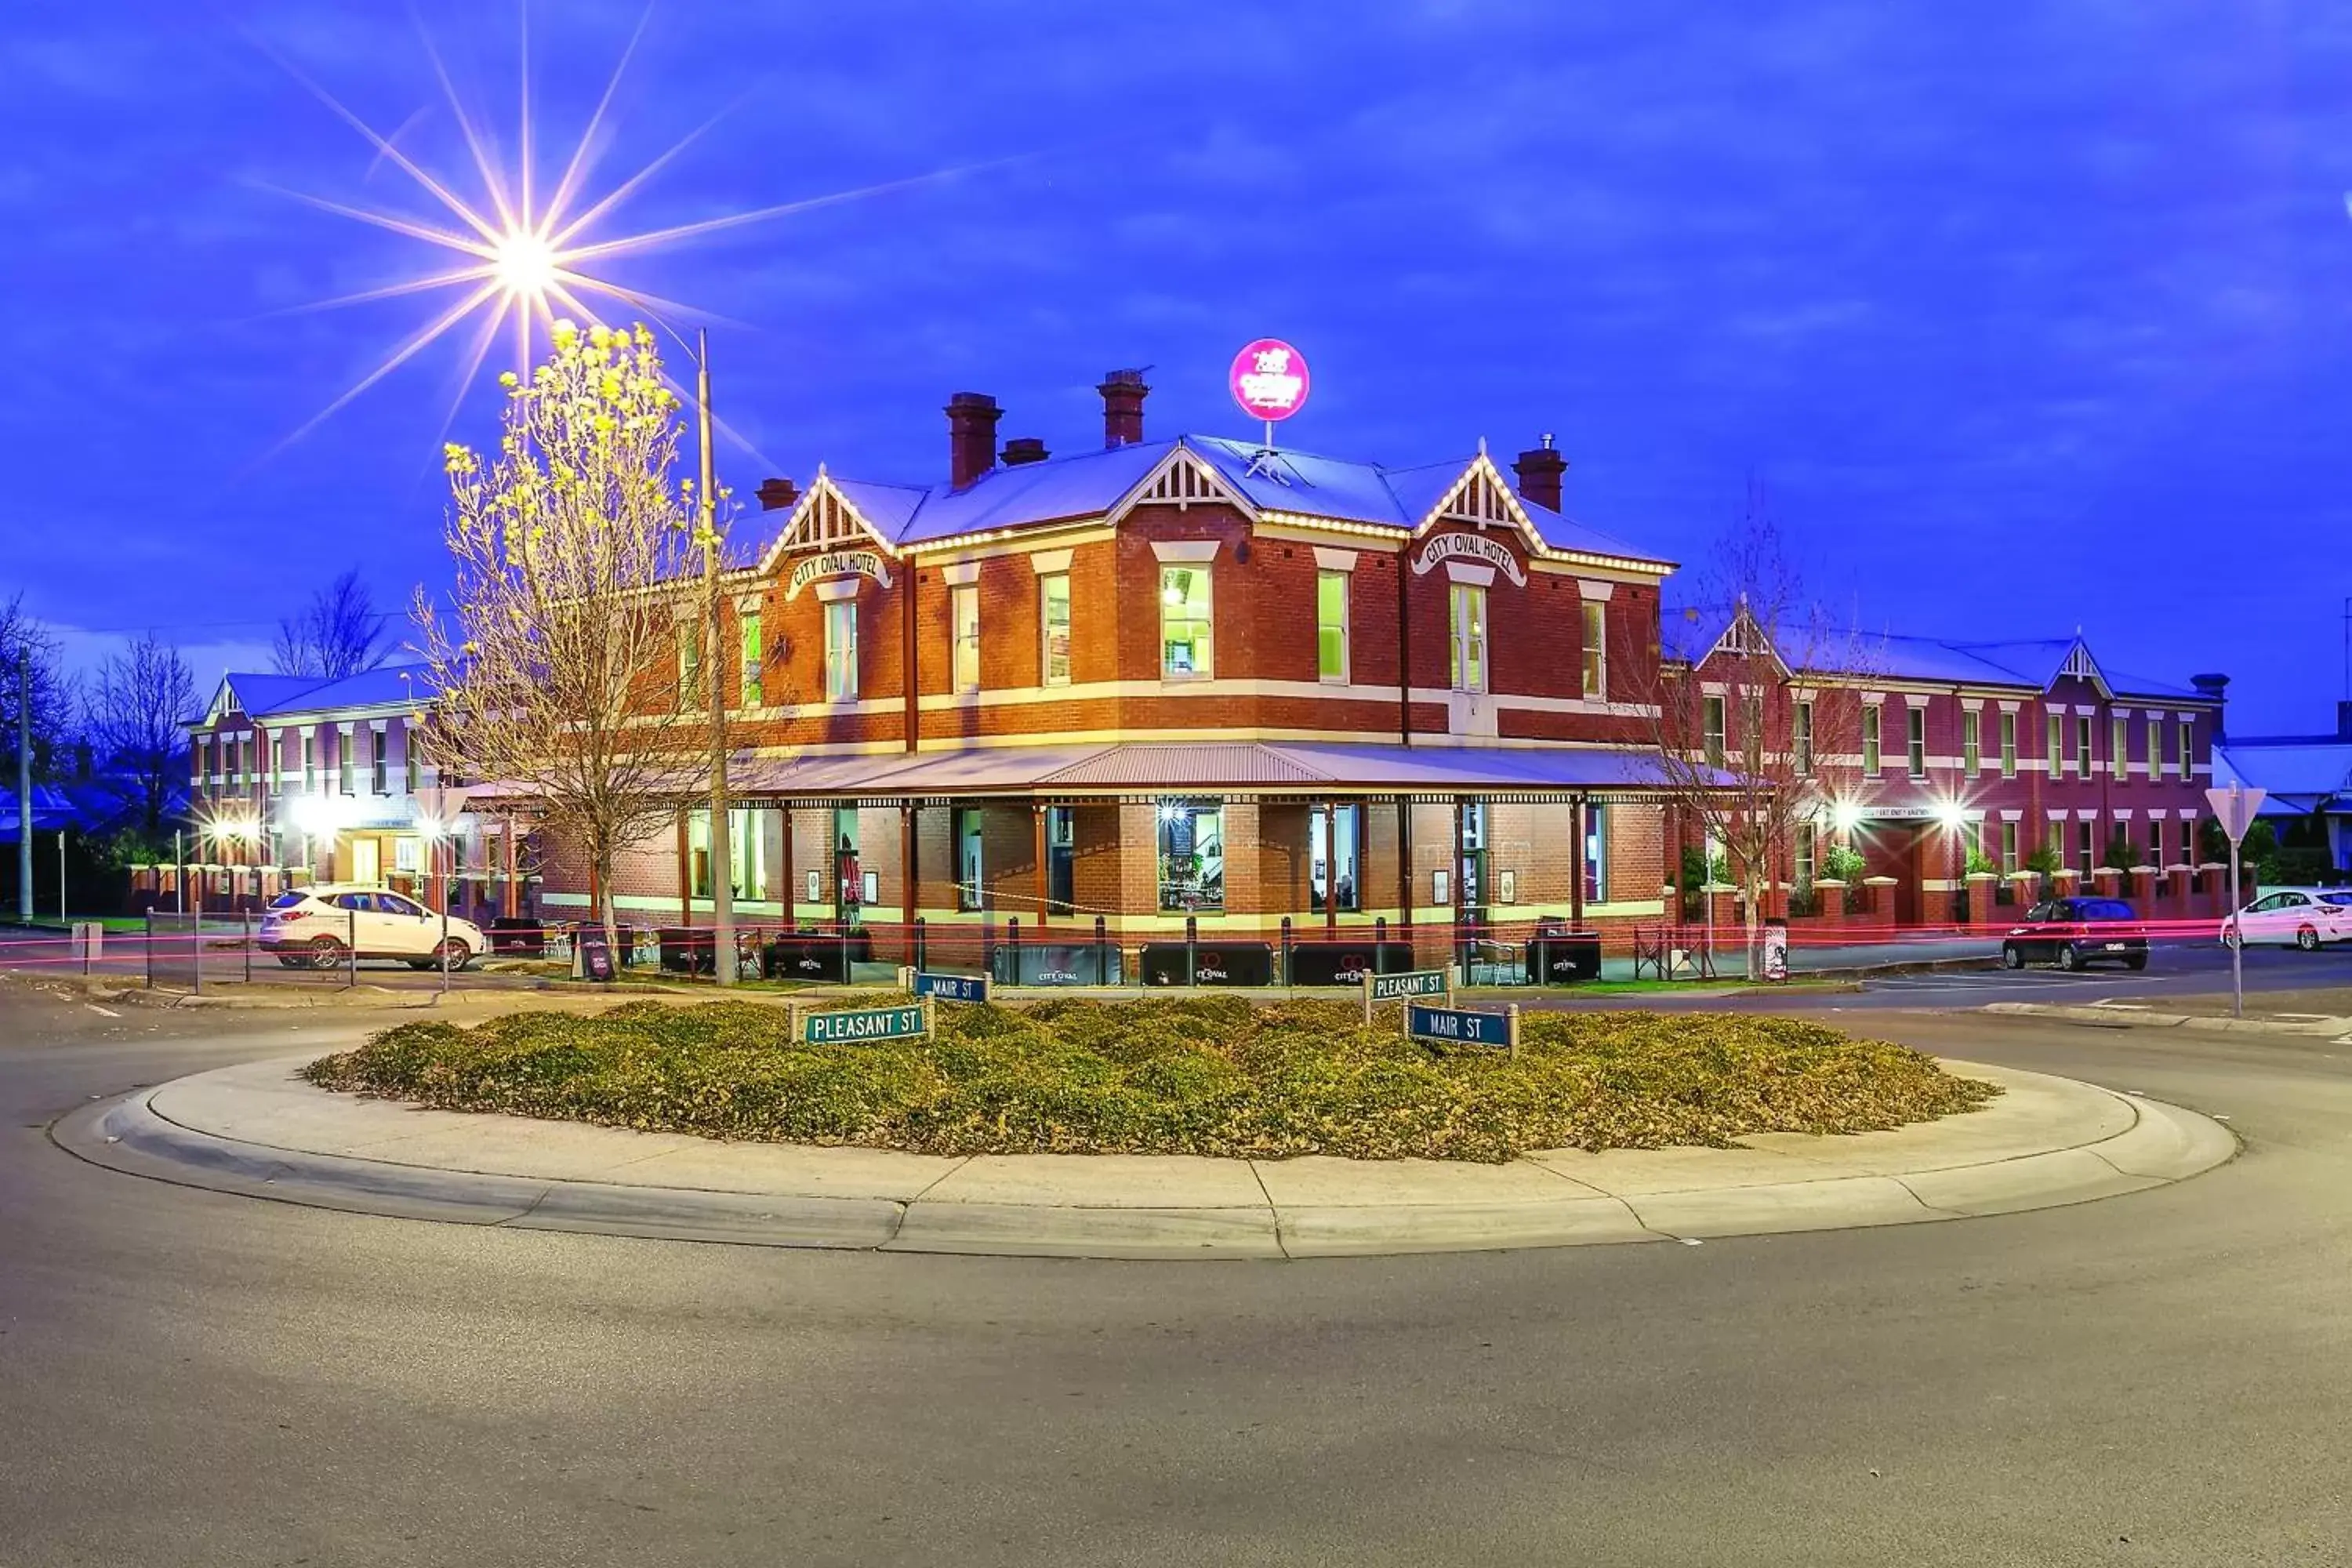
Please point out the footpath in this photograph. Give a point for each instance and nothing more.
(261, 1131)
(2324, 1012)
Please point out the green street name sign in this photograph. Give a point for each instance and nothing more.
(1411, 983)
(866, 1023)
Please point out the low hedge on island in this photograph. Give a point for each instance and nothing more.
(1179, 1075)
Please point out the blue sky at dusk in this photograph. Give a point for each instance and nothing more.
(2024, 315)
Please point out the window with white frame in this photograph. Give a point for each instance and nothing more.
(1053, 628)
(1711, 731)
(310, 762)
(1804, 738)
(1467, 619)
(841, 650)
(1596, 650)
(753, 693)
(2155, 841)
(379, 756)
(1914, 740)
(1807, 861)
(2055, 760)
(2009, 847)
(2156, 761)
(1871, 714)
(2119, 741)
(1331, 625)
(690, 662)
(1971, 742)
(2086, 849)
(411, 758)
(1346, 827)
(2009, 745)
(1192, 855)
(2188, 748)
(2188, 841)
(963, 617)
(1185, 622)
(346, 763)
(1596, 854)
(971, 842)
(2082, 745)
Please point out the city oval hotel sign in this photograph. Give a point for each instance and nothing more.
(1474, 547)
(838, 563)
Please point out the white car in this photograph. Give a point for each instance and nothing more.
(319, 927)
(2307, 918)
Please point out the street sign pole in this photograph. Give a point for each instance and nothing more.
(2234, 809)
(2238, 944)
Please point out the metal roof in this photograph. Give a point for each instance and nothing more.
(2306, 773)
(261, 696)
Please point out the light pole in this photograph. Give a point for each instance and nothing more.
(722, 859)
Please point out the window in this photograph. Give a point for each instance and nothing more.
(2119, 754)
(963, 621)
(841, 650)
(1971, 744)
(1804, 739)
(1712, 727)
(745, 854)
(2056, 759)
(346, 762)
(1053, 628)
(2188, 841)
(1184, 622)
(2156, 769)
(309, 762)
(2155, 841)
(410, 759)
(1870, 716)
(1344, 825)
(1469, 641)
(379, 760)
(2009, 847)
(968, 842)
(2083, 746)
(1192, 855)
(2058, 837)
(2009, 745)
(2086, 847)
(1331, 625)
(2188, 749)
(754, 688)
(1914, 740)
(1596, 650)
(1807, 862)
(689, 663)
(1596, 854)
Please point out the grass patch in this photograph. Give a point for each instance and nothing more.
(1191, 1075)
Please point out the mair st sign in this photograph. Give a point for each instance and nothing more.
(1463, 1026)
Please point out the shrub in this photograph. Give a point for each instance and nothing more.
(1212, 1075)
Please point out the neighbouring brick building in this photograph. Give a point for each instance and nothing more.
(1173, 679)
(1968, 776)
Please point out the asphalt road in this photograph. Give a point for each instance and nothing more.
(192, 1378)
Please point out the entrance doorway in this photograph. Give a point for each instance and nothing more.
(367, 861)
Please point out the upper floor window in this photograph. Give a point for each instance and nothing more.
(1914, 740)
(1870, 739)
(1711, 734)
(309, 762)
(1596, 650)
(2083, 746)
(1971, 743)
(1467, 664)
(753, 693)
(840, 650)
(689, 663)
(345, 761)
(1804, 739)
(1053, 628)
(2188, 749)
(964, 619)
(2156, 768)
(2009, 745)
(2055, 760)
(1184, 621)
(410, 759)
(2119, 738)
(379, 757)
(1331, 625)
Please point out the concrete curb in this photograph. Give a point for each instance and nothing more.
(256, 1130)
(2149, 1018)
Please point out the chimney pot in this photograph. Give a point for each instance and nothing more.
(777, 494)
(1123, 392)
(1540, 470)
(971, 436)
(1025, 449)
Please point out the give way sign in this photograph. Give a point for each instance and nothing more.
(2234, 809)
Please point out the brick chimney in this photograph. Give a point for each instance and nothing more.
(1540, 470)
(777, 494)
(971, 436)
(2210, 687)
(1123, 393)
(1025, 449)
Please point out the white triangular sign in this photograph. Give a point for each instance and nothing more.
(2234, 809)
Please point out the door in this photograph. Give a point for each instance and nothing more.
(409, 927)
(1061, 859)
(367, 861)
(364, 924)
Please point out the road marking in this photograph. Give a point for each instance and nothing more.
(96, 1008)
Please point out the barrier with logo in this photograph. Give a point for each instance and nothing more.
(1210, 963)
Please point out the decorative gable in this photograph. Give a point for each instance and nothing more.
(1482, 499)
(1181, 481)
(823, 520)
(2081, 666)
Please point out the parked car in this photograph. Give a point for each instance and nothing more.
(2307, 918)
(319, 927)
(2073, 932)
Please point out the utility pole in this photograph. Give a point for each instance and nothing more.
(24, 784)
(722, 859)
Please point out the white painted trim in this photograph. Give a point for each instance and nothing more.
(1592, 589)
(1464, 572)
(836, 588)
(1972, 704)
(1183, 551)
(2012, 814)
(2087, 814)
(1326, 559)
(960, 573)
(2009, 705)
(1873, 699)
(1046, 563)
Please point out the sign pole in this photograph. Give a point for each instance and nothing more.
(2237, 943)
(1368, 1001)
(2234, 809)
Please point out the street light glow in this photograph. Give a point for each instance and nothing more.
(526, 265)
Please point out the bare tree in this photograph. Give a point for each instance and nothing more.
(1758, 719)
(557, 667)
(341, 632)
(139, 712)
(54, 693)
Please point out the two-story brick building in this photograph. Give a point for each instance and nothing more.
(1991, 757)
(1176, 678)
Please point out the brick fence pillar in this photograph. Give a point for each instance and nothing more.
(1829, 898)
(1980, 897)
(1880, 901)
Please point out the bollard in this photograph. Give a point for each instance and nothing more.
(923, 943)
(444, 945)
(1191, 947)
(1511, 1025)
(1102, 952)
(148, 947)
(1379, 946)
(1012, 950)
(1289, 980)
(245, 924)
(351, 950)
(197, 944)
